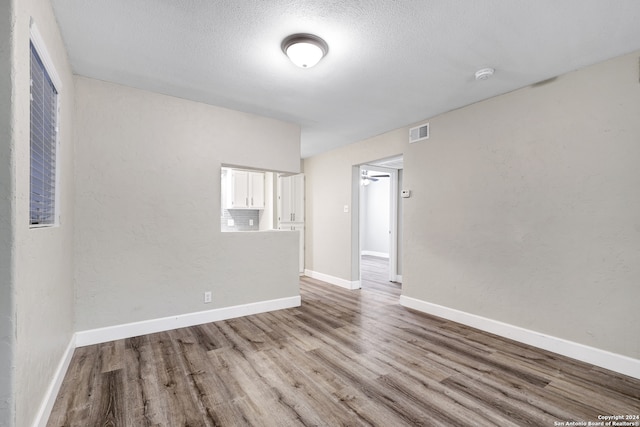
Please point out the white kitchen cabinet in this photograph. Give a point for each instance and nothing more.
(256, 190)
(291, 198)
(291, 208)
(244, 189)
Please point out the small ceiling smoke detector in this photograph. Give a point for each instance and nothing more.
(484, 73)
(304, 50)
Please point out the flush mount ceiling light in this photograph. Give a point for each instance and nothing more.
(304, 50)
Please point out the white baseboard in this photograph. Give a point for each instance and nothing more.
(42, 416)
(605, 359)
(333, 280)
(128, 330)
(374, 253)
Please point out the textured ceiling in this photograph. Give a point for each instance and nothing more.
(390, 63)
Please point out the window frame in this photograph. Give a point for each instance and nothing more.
(42, 52)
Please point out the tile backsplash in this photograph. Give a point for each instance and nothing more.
(241, 219)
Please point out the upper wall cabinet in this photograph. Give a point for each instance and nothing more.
(244, 189)
(291, 198)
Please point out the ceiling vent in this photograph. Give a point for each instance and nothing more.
(419, 133)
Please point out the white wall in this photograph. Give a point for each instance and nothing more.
(7, 285)
(43, 258)
(525, 208)
(376, 204)
(328, 180)
(148, 240)
(531, 210)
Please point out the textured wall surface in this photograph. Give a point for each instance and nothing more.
(525, 208)
(148, 239)
(43, 274)
(7, 286)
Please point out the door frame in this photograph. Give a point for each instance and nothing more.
(357, 223)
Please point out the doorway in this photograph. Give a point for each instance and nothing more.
(379, 218)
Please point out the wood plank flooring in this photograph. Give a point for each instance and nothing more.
(344, 358)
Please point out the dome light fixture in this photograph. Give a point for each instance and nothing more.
(304, 50)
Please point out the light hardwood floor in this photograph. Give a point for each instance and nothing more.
(342, 358)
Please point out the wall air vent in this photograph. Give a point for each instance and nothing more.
(419, 133)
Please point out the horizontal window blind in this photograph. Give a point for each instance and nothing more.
(44, 128)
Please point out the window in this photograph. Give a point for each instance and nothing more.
(44, 137)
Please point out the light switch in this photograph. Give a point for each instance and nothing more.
(346, 208)
(250, 222)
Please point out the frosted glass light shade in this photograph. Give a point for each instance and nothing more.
(304, 55)
(304, 50)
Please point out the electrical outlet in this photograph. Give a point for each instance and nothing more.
(250, 222)
(207, 297)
